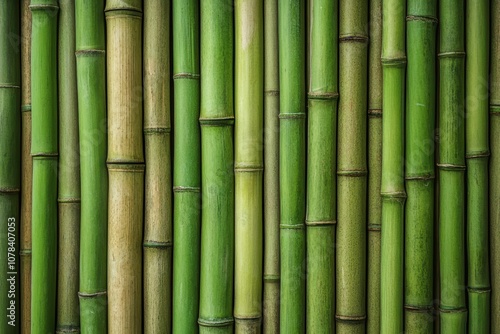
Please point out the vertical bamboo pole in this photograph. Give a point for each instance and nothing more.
(187, 155)
(125, 165)
(271, 312)
(158, 181)
(374, 167)
(420, 109)
(217, 180)
(477, 154)
(453, 312)
(352, 168)
(10, 165)
(392, 187)
(292, 28)
(321, 178)
(44, 151)
(68, 312)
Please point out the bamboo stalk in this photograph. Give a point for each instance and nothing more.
(477, 155)
(158, 182)
(352, 168)
(453, 312)
(420, 108)
(187, 155)
(392, 186)
(68, 312)
(374, 205)
(10, 165)
(44, 150)
(125, 165)
(321, 180)
(217, 181)
(248, 164)
(271, 312)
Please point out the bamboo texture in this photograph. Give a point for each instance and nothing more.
(248, 164)
(68, 312)
(374, 204)
(292, 28)
(420, 124)
(125, 162)
(271, 299)
(187, 156)
(321, 180)
(453, 312)
(392, 186)
(477, 155)
(217, 170)
(10, 165)
(352, 168)
(158, 181)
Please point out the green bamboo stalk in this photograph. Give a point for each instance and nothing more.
(374, 205)
(248, 164)
(271, 311)
(494, 186)
(187, 155)
(10, 165)
(217, 180)
(91, 82)
(453, 312)
(44, 151)
(292, 28)
(125, 165)
(321, 180)
(420, 109)
(477, 154)
(352, 168)
(158, 181)
(68, 312)
(392, 186)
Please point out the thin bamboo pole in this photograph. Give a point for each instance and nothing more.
(374, 205)
(271, 311)
(292, 28)
(477, 155)
(10, 165)
(158, 180)
(68, 312)
(352, 168)
(321, 178)
(392, 187)
(91, 82)
(44, 150)
(217, 181)
(248, 164)
(453, 312)
(187, 155)
(420, 109)
(125, 165)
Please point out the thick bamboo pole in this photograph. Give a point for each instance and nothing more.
(453, 312)
(271, 311)
(158, 180)
(374, 205)
(187, 155)
(477, 155)
(217, 180)
(392, 187)
(420, 119)
(248, 164)
(292, 28)
(10, 165)
(68, 311)
(125, 165)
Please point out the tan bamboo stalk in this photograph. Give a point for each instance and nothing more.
(125, 165)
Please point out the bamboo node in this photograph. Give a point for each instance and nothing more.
(88, 295)
(353, 38)
(26, 108)
(479, 290)
(271, 278)
(157, 244)
(320, 223)
(323, 95)
(218, 322)
(453, 310)
(452, 167)
(423, 18)
(156, 130)
(8, 190)
(183, 189)
(90, 53)
(248, 318)
(394, 195)
(292, 226)
(478, 155)
(9, 86)
(424, 177)
(44, 155)
(248, 169)
(374, 227)
(191, 76)
(297, 115)
(494, 109)
(41, 7)
(452, 54)
(351, 318)
(375, 113)
(68, 200)
(394, 61)
(25, 252)
(418, 308)
(352, 173)
(120, 166)
(217, 121)
(127, 12)
(67, 329)
(272, 92)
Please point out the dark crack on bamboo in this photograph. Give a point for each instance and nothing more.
(418, 308)
(272, 278)
(184, 189)
(41, 7)
(220, 322)
(272, 92)
(422, 18)
(352, 173)
(374, 227)
(394, 61)
(453, 310)
(320, 223)
(189, 76)
(353, 39)
(478, 155)
(423, 177)
(8, 86)
(298, 116)
(68, 200)
(353, 319)
(26, 108)
(292, 226)
(375, 113)
(7, 190)
(156, 130)
(157, 244)
(323, 96)
(452, 54)
(451, 167)
(217, 121)
(90, 295)
(90, 53)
